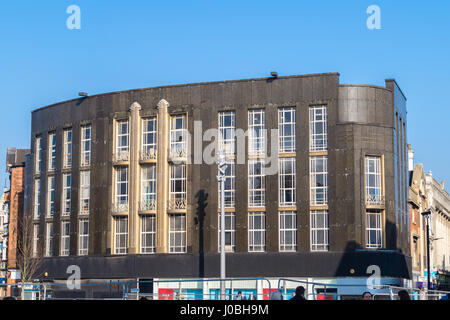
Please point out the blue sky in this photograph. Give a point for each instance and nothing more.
(133, 44)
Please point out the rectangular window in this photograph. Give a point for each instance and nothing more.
(50, 197)
(374, 229)
(286, 129)
(121, 198)
(37, 198)
(177, 233)
(177, 194)
(319, 180)
(35, 240)
(49, 239)
(149, 142)
(318, 128)
(51, 151)
(288, 230)
(67, 158)
(319, 230)
(66, 194)
(256, 183)
(230, 231)
(256, 231)
(122, 140)
(65, 238)
(85, 145)
(148, 188)
(227, 135)
(85, 186)
(148, 234)
(374, 194)
(287, 177)
(83, 237)
(38, 155)
(178, 136)
(257, 133)
(121, 235)
(230, 185)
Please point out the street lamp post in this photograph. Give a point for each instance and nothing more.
(222, 166)
(427, 214)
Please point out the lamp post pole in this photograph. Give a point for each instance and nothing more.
(426, 214)
(221, 162)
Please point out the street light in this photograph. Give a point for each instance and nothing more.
(222, 166)
(427, 214)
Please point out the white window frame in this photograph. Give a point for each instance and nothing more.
(316, 229)
(122, 137)
(149, 137)
(377, 229)
(52, 151)
(283, 190)
(85, 190)
(315, 173)
(121, 195)
(177, 236)
(257, 135)
(318, 140)
(230, 185)
(148, 187)
(283, 230)
(256, 195)
(38, 154)
(286, 129)
(254, 246)
(230, 229)
(374, 193)
(35, 239)
(66, 202)
(227, 132)
(51, 196)
(177, 196)
(37, 198)
(65, 238)
(178, 136)
(49, 238)
(67, 148)
(83, 238)
(86, 134)
(121, 235)
(148, 237)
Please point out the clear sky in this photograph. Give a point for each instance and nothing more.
(126, 44)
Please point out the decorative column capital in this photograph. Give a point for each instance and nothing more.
(163, 104)
(135, 106)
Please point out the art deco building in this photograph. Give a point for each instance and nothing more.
(121, 186)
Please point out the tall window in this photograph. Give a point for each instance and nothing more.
(67, 159)
(177, 194)
(86, 145)
(374, 229)
(177, 233)
(121, 235)
(227, 127)
(83, 237)
(287, 181)
(35, 239)
(122, 140)
(121, 200)
(178, 136)
(256, 231)
(148, 234)
(230, 231)
(288, 230)
(230, 185)
(318, 128)
(49, 239)
(256, 183)
(51, 151)
(319, 230)
(148, 187)
(149, 138)
(37, 198)
(319, 180)
(51, 196)
(286, 129)
(373, 181)
(66, 194)
(85, 186)
(65, 238)
(257, 134)
(38, 154)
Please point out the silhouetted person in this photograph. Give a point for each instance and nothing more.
(367, 296)
(403, 295)
(299, 294)
(239, 296)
